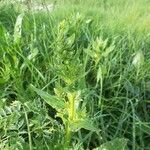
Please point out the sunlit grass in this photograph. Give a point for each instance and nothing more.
(76, 77)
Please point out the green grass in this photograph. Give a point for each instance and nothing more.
(76, 78)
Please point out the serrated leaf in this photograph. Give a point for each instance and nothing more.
(53, 101)
(116, 144)
(83, 123)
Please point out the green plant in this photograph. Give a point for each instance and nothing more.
(70, 71)
(91, 70)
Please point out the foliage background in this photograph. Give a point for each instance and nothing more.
(98, 49)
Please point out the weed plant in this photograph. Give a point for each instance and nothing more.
(75, 78)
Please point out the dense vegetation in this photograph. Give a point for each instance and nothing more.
(77, 77)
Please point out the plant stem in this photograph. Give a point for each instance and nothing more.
(28, 128)
(68, 137)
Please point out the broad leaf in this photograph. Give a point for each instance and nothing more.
(53, 101)
(116, 144)
(83, 123)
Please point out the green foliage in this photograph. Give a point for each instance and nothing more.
(75, 78)
(53, 101)
(117, 144)
(17, 29)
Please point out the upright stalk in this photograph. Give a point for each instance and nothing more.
(68, 136)
(28, 128)
(71, 113)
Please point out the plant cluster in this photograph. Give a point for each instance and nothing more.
(72, 84)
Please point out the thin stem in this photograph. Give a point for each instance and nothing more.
(133, 127)
(71, 112)
(28, 128)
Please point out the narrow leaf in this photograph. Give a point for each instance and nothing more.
(17, 29)
(144, 126)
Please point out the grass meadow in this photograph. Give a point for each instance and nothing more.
(76, 77)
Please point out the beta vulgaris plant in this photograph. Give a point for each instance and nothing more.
(70, 68)
(68, 99)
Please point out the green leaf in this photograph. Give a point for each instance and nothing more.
(2, 102)
(17, 29)
(147, 86)
(144, 126)
(99, 74)
(2, 81)
(116, 144)
(108, 51)
(4, 74)
(70, 40)
(53, 101)
(4, 34)
(138, 59)
(83, 123)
